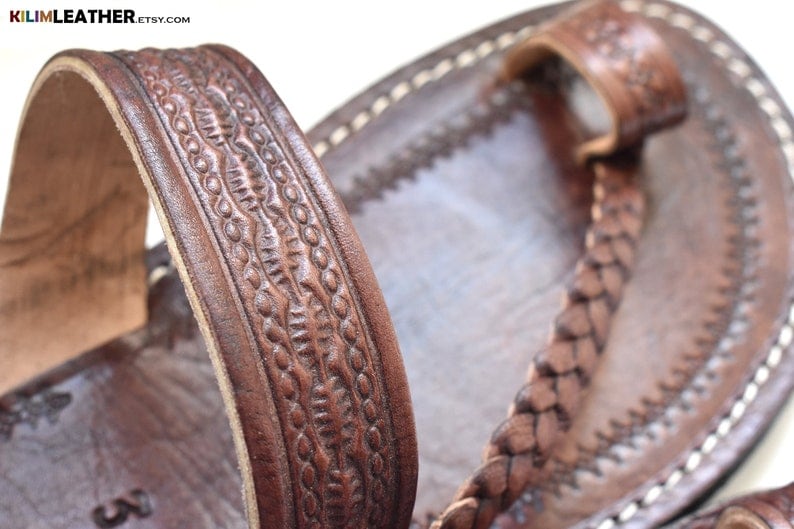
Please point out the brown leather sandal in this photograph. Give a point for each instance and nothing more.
(464, 179)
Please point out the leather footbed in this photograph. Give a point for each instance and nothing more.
(472, 210)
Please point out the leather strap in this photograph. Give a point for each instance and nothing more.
(545, 406)
(773, 509)
(610, 49)
(287, 303)
(623, 60)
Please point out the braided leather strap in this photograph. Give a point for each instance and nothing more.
(628, 66)
(287, 303)
(547, 403)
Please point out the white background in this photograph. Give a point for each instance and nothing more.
(318, 54)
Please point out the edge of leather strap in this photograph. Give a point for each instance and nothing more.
(140, 127)
(251, 400)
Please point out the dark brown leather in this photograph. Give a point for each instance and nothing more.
(286, 301)
(773, 509)
(467, 197)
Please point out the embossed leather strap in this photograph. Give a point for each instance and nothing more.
(286, 300)
(623, 59)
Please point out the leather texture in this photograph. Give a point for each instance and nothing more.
(291, 315)
(467, 195)
(773, 509)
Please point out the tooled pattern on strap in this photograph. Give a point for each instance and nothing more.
(547, 403)
(292, 284)
(611, 38)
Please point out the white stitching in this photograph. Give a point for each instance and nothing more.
(783, 131)
(652, 494)
(753, 85)
(721, 50)
(465, 59)
(710, 443)
(682, 20)
(785, 336)
(703, 34)
(739, 67)
(673, 479)
(628, 512)
(609, 523)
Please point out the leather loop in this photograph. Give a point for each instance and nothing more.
(286, 300)
(624, 61)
